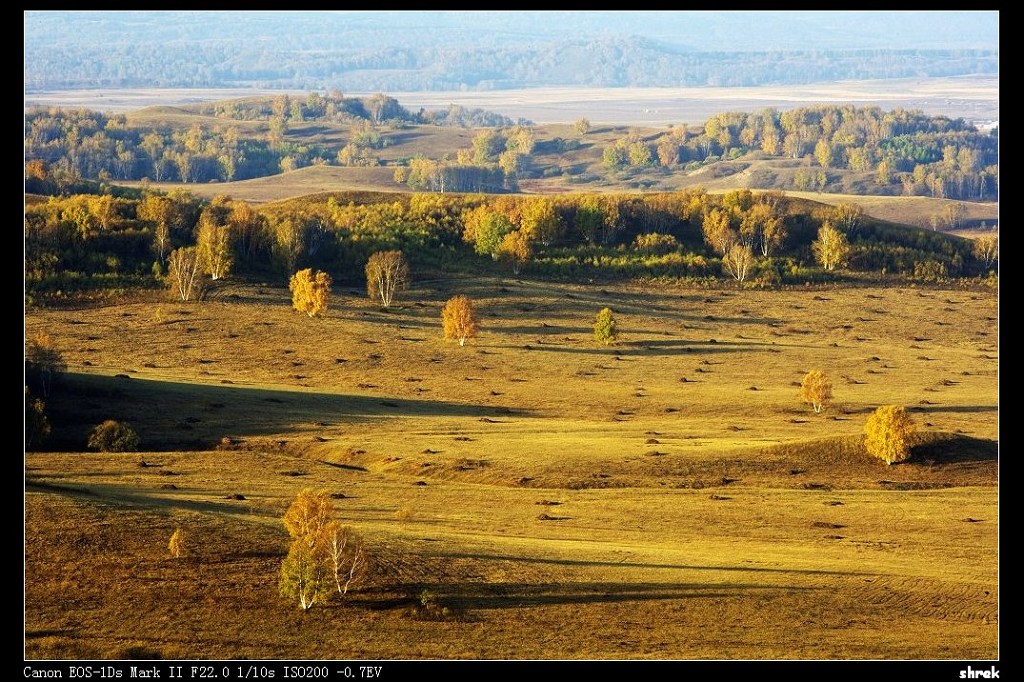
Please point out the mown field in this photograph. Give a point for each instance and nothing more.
(546, 497)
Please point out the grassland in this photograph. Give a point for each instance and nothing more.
(668, 497)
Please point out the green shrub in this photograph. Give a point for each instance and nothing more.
(114, 436)
(605, 328)
(655, 243)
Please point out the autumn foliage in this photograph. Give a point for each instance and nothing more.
(177, 543)
(459, 320)
(831, 248)
(888, 433)
(310, 292)
(324, 557)
(816, 390)
(387, 273)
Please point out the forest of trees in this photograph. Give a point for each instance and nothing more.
(884, 152)
(85, 242)
(902, 151)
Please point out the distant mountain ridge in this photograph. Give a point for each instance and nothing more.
(393, 51)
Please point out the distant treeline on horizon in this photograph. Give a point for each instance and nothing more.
(415, 51)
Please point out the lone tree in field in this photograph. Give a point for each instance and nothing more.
(830, 248)
(387, 273)
(606, 330)
(323, 556)
(114, 436)
(177, 543)
(305, 572)
(459, 320)
(888, 433)
(816, 389)
(310, 292)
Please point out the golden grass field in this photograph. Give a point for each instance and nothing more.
(668, 497)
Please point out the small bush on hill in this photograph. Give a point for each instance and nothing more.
(114, 436)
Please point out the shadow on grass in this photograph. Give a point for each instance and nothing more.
(184, 416)
(926, 409)
(483, 596)
(674, 567)
(947, 448)
(115, 495)
(661, 347)
(957, 409)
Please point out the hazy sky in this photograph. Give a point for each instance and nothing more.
(704, 30)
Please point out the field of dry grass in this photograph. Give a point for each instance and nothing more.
(668, 497)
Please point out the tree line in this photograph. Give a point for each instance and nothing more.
(100, 241)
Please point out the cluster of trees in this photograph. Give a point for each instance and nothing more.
(459, 116)
(320, 106)
(493, 162)
(900, 150)
(85, 241)
(740, 225)
(65, 146)
(448, 175)
(633, 151)
(889, 431)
